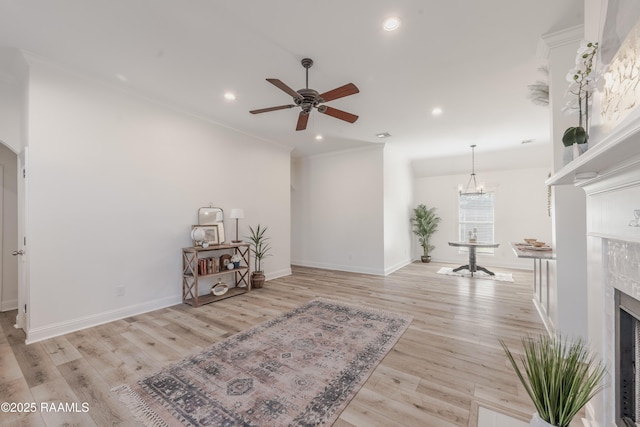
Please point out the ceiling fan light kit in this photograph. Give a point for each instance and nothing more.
(307, 99)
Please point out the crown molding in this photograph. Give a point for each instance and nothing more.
(558, 38)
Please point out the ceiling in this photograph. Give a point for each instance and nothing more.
(474, 59)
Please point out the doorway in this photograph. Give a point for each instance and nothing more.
(8, 229)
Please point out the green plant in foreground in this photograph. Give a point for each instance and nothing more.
(559, 376)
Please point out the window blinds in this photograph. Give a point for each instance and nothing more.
(476, 211)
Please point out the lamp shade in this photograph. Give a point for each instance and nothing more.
(236, 213)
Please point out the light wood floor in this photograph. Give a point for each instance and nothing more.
(445, 365)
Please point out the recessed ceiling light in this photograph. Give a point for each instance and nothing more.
(391, 24)
(436, 111)
(229, 96)
(318, 137)
(383, 135)
(121, 77)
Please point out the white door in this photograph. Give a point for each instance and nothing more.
(22, 319)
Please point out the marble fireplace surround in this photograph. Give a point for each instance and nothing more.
(609, 173)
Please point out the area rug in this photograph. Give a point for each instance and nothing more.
(501, 277)
(300, 369)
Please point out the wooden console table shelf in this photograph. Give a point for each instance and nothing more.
(191, 275)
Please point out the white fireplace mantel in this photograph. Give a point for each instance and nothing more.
(609, 173)
(606, 155)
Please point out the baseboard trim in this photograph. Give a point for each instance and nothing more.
(279, 273)
(339, 267)
(9, 305)
(57, 329)
(397, 266)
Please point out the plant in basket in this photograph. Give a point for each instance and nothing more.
(260, 248)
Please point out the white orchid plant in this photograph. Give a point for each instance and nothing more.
(581, 84)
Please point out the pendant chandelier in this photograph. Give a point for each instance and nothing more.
(472, 188)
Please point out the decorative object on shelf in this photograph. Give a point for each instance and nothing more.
(197, 235)
(425, 224)
(225, 259)
(559, 376)
(475, 190)
(260, 248)
(219, 288)
(635, 222)
(581, 85)
(235, 259)
(212, 216)
(206, 235)
(236, 214)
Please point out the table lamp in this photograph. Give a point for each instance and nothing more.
(236, 214)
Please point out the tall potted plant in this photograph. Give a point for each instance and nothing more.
(260, 248)
(559, 376)
(425, 223)
(582, 84)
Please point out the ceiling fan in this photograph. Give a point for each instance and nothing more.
(309, 98)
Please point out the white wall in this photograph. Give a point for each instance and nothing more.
(337, 204)
(520, 212)
(115, 185)
(398, 199)
(13, 75)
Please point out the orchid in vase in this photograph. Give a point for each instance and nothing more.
(581, 84)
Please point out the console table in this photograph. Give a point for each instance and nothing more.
(540, 271)
(472, 266)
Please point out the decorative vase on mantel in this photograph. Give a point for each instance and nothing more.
(536, 421)
(582, 84)
(575, 143)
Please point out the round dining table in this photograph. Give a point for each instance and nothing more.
(473, 266)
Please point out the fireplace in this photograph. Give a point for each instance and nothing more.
(627, 381)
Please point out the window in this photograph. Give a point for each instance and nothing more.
(476, 211)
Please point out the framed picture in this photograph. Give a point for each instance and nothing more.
(205, 235)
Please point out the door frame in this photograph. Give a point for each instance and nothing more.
(23, 317)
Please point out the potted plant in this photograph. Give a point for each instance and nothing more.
(559, 376)
(582, 84)
(260, 248)
(425, 222)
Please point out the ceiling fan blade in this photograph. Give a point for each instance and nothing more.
(280, 85)
(266, 110)
(303, 118)
(338, 114)
(340, 92)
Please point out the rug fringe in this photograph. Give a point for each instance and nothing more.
(138, 407)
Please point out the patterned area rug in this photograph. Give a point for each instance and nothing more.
(501, 277)
(300, 369)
